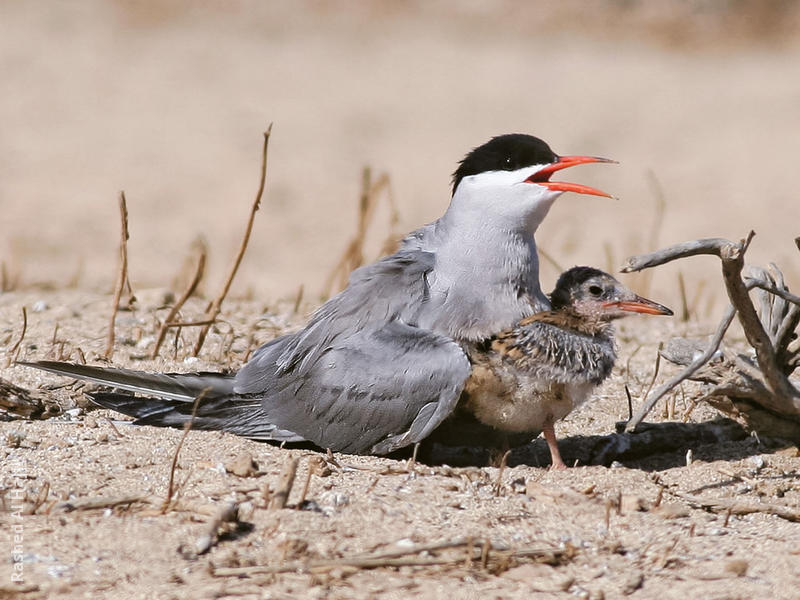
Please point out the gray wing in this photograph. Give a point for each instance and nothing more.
(360, 377)
(372, 391)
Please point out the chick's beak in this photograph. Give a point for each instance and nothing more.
(542, 176)
(637, 304)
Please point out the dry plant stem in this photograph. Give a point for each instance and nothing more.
(655, 371)
(354, 253)
(353, 256)
(298, 299)
(736, 507)
(684, 302)
(545, 255)
(98, 503)
(399, 558)
(648, 405)
(169, 320)
(187, 427)
(285, 483)
(24, 329)
(216, 305)
(122, 275)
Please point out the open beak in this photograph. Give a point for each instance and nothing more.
(637, 304)
(542, 176)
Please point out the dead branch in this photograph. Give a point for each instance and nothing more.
(769, 334)
(216, 305)
(169, 321)
(122, 274)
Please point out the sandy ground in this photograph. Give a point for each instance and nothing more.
(168, 101)
(644, 526)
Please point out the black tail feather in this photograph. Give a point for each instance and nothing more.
(239, 416)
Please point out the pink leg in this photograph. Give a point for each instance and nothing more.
(552, 443)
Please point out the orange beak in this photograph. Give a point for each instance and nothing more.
(542, 176)
(637, 304)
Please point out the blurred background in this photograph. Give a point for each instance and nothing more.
(699, 101)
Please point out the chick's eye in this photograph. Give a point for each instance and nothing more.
(508, 161)
(595, 290)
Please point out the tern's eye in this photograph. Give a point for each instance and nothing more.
(508, 162)
(595, 290)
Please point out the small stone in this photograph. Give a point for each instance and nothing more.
(39, 306)
(633, 583)
(333, 499)
(101, 437)
(242, 466)
(738, 567)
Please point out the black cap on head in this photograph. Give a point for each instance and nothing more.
(571, 280)
(504, 153)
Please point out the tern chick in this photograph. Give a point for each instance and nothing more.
(526, 378)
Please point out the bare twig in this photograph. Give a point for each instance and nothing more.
(759, 283)
(298, 299)
(655, 371)
(24, 329)
(216, 305)
(684, 302)
(737, 507)
(186, 428)
(403, 558)
(659, 257)
(713, 346)
(169, 320)
(122, 275)
(498, 486)
(97, 503)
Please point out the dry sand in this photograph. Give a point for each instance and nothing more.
(636, 528)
